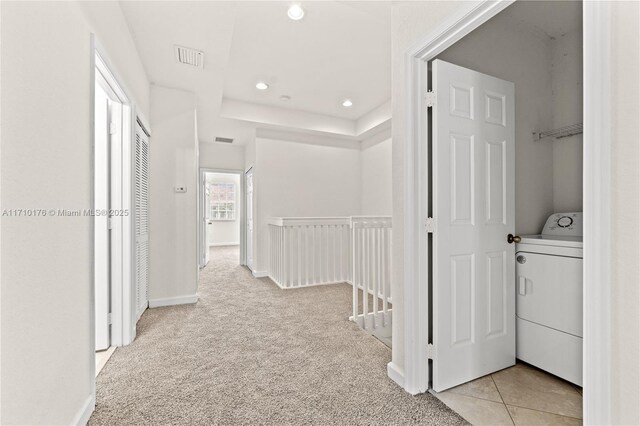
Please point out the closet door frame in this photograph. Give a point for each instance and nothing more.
(123, 297)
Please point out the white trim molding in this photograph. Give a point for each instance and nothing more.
(170, 301)
(224, 244)
(123, 328)
(260, 274)
(597, 213)
(396, 374)
(83, 416)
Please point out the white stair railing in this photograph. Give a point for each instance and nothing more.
(371, 272)
(309, 251)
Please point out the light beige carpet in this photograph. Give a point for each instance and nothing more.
(250, 353)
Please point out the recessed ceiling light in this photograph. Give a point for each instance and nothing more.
(347, 103)
(261, 85)
(285, 98)
(295, 12)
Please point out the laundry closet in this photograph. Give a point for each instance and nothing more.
(537, 46)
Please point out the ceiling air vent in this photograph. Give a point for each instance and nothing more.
(188, 56)
(224, 140)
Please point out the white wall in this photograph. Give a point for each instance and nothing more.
(300, 179)
(173, 216)
(502, 48)
(625, 188)
(46, 262)
(226, 232)
(375, 179)
(566, 107)
(217, 155)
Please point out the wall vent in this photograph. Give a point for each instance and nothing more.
(188, 56)
(224, 140)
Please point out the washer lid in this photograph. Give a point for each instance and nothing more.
(552, 240)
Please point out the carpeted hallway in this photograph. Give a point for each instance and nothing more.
(250, 353)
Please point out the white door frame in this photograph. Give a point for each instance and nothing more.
(596, 145)
(201, 235)
(123, 309)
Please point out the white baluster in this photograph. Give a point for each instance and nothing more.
(374, 270)
(384, 267)
(365, 276)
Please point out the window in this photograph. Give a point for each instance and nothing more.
(223, 201)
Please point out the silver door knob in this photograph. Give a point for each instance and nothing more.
(521, 259)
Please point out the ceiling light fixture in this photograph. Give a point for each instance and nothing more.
(347, 103)
(285, 98)
(295, 12)
(261, 85)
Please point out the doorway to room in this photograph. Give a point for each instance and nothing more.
(110, 210)
(222, 214)
(504, 156)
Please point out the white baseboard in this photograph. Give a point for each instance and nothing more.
(82, 418)
(223, 244)
(260, 274)
(169, 301)
(396, 374)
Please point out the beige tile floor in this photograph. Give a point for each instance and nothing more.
(520, 395)
(102, 357)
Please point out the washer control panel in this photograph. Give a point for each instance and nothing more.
(564, 224)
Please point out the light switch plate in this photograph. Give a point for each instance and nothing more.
(180, 189)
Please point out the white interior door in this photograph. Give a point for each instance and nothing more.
(102, 275)
(202, 221)
(207, 221)
(142, 219)
(249, 207)
(473, 204)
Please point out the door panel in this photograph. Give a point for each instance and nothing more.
(473, 204)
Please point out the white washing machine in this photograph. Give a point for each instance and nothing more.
(549, 297)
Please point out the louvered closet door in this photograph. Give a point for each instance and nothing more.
(142, 219)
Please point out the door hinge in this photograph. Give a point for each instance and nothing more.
(431, 351)
(430, 225)
(112, 128)
(109, 223)
(430, 98)
(109, 320)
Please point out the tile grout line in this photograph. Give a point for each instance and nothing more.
(535, 409)
(476, 397)
(503, 403)
(543, 411)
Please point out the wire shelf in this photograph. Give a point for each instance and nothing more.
(562, 132)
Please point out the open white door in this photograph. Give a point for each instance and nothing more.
(207, 221)
(473, 204)
(203, 241)
(102, 246)
(249, 207)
